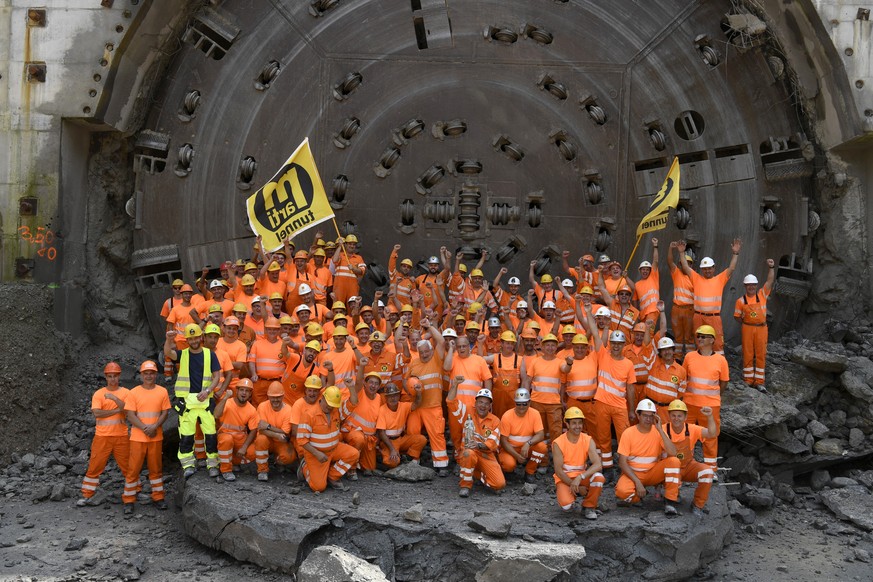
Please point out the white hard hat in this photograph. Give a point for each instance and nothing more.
(568, 283)
(603, 312)
(450, 332)
(605, 259)
(484, 393)
(665, 342)
(216, 283)
(645, 264)
(706, 262)
(646, 405)
(522, 395)
(303, 289)
(433, 261)
(494, 322)
(353, 298)
(258, 299)
(303, 307)
(521, 305)
(549, 305)
(514, 281)
(617, 337)
(381, 303)
(750, 280)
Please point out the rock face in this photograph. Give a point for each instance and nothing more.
(261, 523)
(333, 564)
(825, 360)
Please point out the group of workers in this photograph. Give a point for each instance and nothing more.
(280, 357)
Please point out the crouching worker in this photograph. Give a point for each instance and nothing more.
(522, 437)
(325, 458)
(640, 457)
(274, 431)
(684, 437)
(391, 426)
(577, 466)
(481, 436)
(238, 429)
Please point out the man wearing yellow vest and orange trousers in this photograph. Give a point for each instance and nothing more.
(199, 369)
(750, 312)
(708, 289)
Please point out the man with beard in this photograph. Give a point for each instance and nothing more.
(238, 429)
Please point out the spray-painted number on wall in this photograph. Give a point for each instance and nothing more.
(43, 238)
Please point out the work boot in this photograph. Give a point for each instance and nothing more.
(589, 513)
(541, 470)
(413, 462)
(214, 472)
(85, 501)
(160, 504)
(697, 511)
(670, 509)
(442, 472)
(229, 476)
(464, 492)
(352, 475)
(338, 485)
(300, 476)
(530, 478)
(263, 477)
(128, 510)
(201, 463)
(189, 471)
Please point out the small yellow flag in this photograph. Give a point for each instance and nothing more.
(667, 198)
(291, 202)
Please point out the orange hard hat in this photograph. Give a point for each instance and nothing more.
(112, 368)
(245, 383)
(275, 389)
(148, 366)
(640, 327)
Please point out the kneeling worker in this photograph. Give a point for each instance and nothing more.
(577, 466)
(522, 437)
(684, 437)
(325, 458)
(640, 453)
(274, 431)
(391, 427)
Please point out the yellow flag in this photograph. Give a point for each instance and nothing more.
(291, 202)
(667, 198)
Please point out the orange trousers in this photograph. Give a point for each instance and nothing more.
(411, 444)
(606, 417)
(482, 466)
(665, 471)
(504, 399)
(715, 321)
(264, 445)
(536, 456)
(150, 453)
(345, 287)
(259, 392)
(710, 446)
(594, 483)
(587, 408)
(340, 460)
(228, 443)
(682, 321)
(434, 423)
(754, 353)
(695, 472)
(365, 445)
(101, 448)
(553, 418)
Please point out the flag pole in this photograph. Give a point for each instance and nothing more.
(630, 258)
(342, 244)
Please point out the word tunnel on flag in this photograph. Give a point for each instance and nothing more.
(292, 201)
(667, 198)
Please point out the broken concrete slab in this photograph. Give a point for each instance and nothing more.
(491, 525)
(261, 523)
(824, 360)
(744, 409)
(412, 472)
(851, 504)
(528, 561)
(333, 564)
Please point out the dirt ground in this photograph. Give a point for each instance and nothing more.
(43, 536)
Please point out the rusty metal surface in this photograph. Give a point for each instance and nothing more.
(519, 115)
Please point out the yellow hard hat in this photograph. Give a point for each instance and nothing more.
(568, 329)
(212, 328)
(340, 331)
(550, 337)
(193, 330)
(573, 412)
(586, 290)
(351, 238)
(474, 307)
(314, 329)
(247, 280)
(276, 295)
(215, 308)
(275, 389)
(462, 268)
(338, 305)
(361, 326)
(546, 278)
(286, 320)
(706, 330)
(407, 309)
(340, 316)
(318, 253)
(333, 397)
(377, 336)
(250, 266)
(580, 339)
(240, 308)
(178, 282)
(406, 262)
(473, 325)
(274, 266)
(314, 345)
(313, 382)
(477, 273)
(508, 336)
(677, 405)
